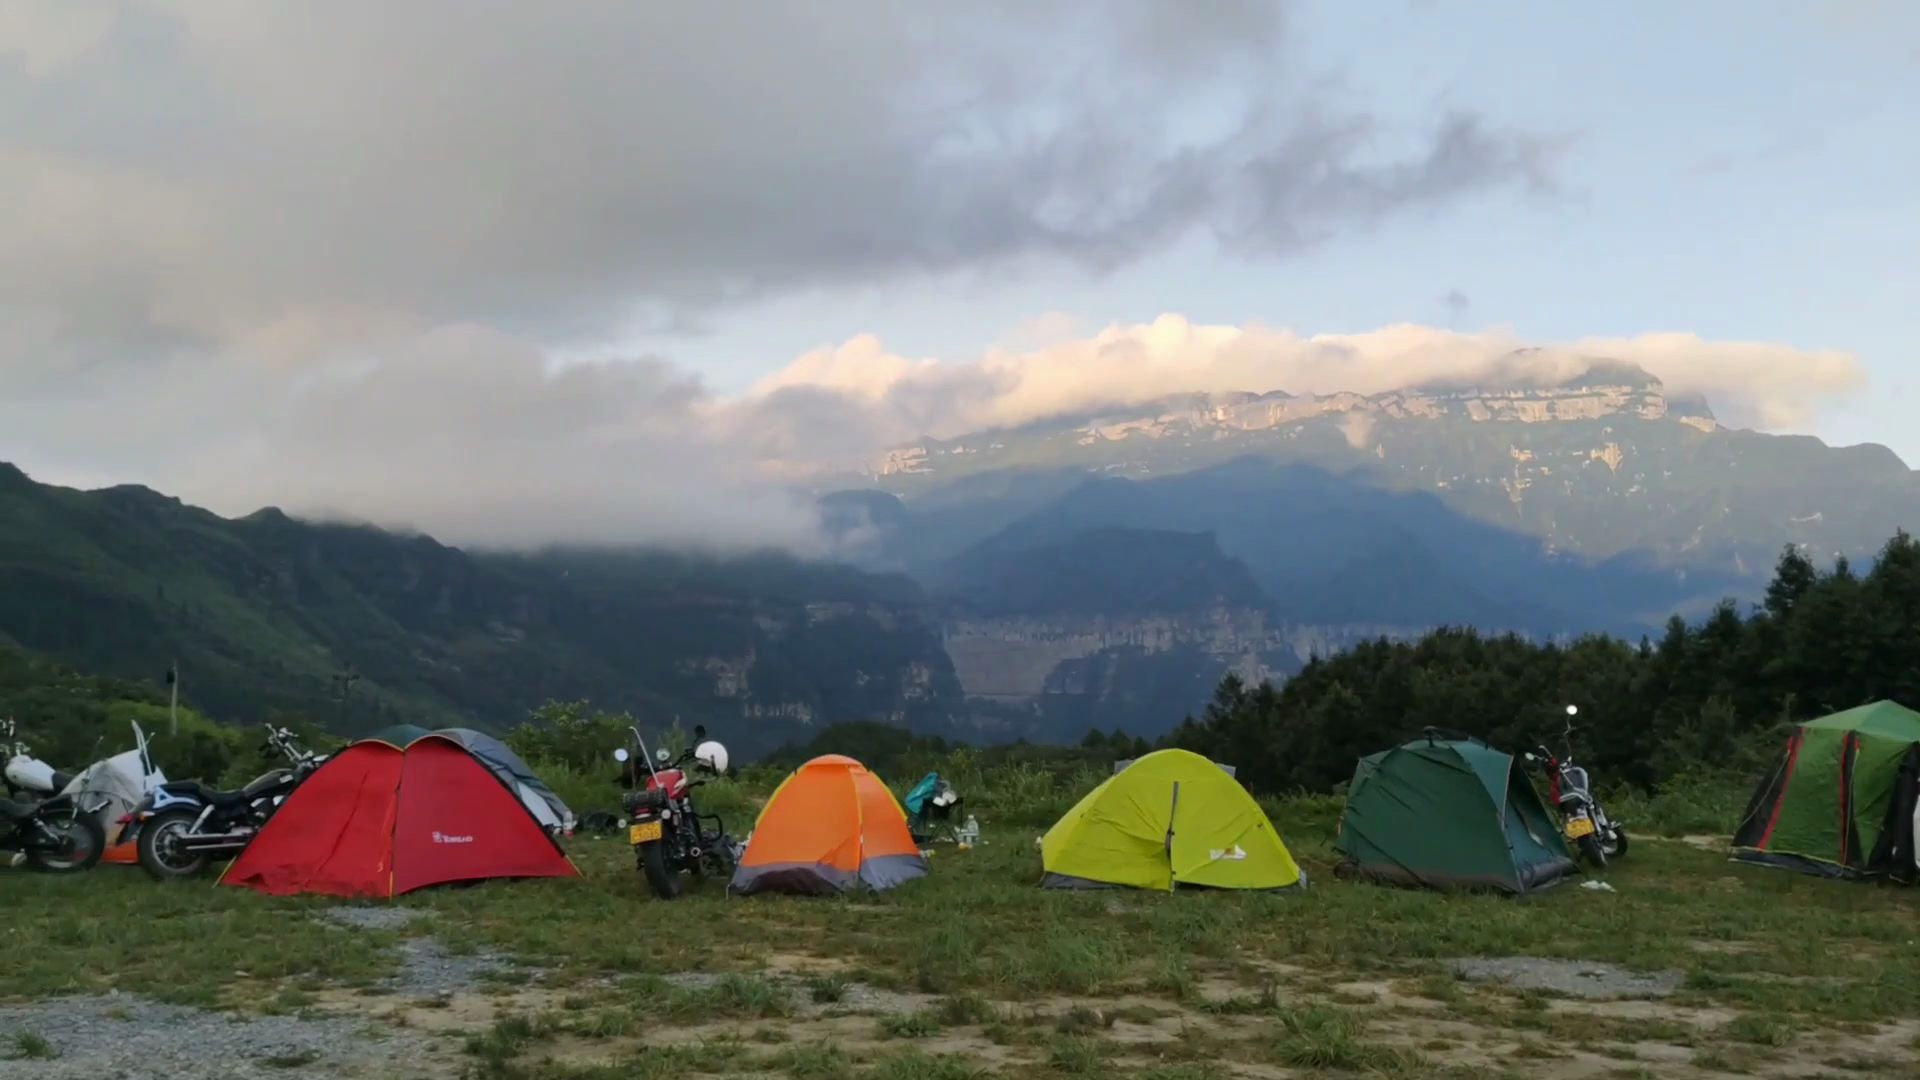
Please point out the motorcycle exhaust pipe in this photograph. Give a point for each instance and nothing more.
(206, 843)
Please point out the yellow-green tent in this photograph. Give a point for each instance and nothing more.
(1170, 818)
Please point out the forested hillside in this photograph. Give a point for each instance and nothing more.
(1704, 695)
(356, 627)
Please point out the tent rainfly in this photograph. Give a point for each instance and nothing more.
(831, 826)
(1169, 818)
(1449, 813)
(379, 820)
(1844, 799)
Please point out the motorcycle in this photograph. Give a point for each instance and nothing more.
(184, 824)
(50, 829)
(668, 833)
(1588, 826)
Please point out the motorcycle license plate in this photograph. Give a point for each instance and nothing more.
(1579, 827)
(643, 832)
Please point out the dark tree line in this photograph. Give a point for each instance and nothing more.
(1707, 695)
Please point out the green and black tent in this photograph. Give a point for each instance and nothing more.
(1450, 813)
(1841, 802)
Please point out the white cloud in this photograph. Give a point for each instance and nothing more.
(478, 437)
(1750, 384)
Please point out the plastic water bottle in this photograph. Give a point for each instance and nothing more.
(969, 834)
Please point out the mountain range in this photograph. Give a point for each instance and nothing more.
(1101, 570)
(358, 628)
(1098, 568)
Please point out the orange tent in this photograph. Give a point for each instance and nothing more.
(830, 826)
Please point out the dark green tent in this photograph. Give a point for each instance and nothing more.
(1841, 801)
(1449, 813)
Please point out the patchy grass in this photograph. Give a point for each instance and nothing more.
(999, 977)
(33, 1047)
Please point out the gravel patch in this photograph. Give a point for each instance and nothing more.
(855, 997)
(1571, 978)
(427, 969)
(120, 1037)
(372, 918)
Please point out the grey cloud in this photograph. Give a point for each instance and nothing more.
(279, 178)
(465, 433)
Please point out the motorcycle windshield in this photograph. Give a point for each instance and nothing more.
(1573, 781)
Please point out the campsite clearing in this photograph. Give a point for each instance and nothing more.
(974, 971)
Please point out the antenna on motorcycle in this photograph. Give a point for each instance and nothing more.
(644, 756)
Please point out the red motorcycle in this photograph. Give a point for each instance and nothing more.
(670, 837)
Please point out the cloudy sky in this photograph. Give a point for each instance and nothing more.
(517, 272)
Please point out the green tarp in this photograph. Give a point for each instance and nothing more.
(1840, 802)
(1449, 813)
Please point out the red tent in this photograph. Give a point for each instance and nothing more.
(377, 820)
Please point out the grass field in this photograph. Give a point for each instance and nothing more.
(977, 972)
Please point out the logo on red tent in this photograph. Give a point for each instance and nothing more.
(445, 838)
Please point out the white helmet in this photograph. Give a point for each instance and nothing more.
(712, 755)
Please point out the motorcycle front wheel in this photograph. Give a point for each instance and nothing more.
(1590, 847)
(163, 852)
(661, 878)
(81, 843)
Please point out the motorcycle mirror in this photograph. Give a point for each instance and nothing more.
(621, 754)
(661, 754)
(699, 733)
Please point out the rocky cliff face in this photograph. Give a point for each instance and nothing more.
(1604, 391)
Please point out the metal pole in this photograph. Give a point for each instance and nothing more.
(173, 698)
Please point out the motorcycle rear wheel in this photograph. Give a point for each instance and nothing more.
(86, 842)
(1616, 845)
(661, 878)
(162, 855)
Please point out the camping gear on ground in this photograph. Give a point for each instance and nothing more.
(1841, 802)
(600, 823)
(931, 807)
(1449, 812)
(1171, 818)
(541, 802)
(379, 820)
(967, 835)
(666, 830)
(1594, 833)
(182, 825)
(831, 826)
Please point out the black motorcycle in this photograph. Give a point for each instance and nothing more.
(184, 824)
(47, 831)
(668, 834)
(1588, 826)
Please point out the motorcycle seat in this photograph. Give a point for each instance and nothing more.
(17, 811)
(61, 780)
